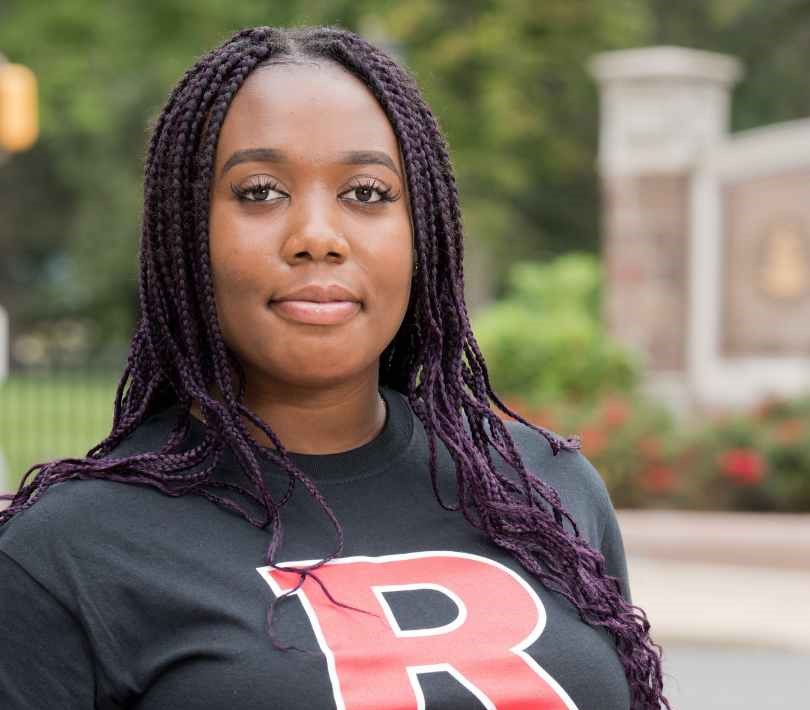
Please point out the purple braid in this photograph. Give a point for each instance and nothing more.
(177, 353)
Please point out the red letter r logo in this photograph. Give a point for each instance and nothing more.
(374, 663)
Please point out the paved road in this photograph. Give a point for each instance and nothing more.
(728, 597)
(722, 678)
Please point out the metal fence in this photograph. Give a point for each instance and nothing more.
(48, 414)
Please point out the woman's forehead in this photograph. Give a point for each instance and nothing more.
(313, 112)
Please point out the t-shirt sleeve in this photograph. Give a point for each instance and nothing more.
(44, 656)
(612, 548)
(584, 493)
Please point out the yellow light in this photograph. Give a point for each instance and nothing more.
(19, 121)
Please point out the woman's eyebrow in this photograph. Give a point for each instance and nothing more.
(368, 157)
(274, 155)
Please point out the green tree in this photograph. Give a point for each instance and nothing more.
(509, 83)
(771, 37)
(507, 80)
(71, 206)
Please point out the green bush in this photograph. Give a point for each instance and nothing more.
(544, 339)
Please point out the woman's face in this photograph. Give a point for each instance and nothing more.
(309, 193)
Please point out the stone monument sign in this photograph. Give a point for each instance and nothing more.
(706, 233)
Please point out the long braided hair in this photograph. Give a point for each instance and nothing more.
(178, 356)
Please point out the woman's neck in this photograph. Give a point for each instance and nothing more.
(310, 420)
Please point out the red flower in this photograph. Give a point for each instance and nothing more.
(593, 441)
(658, 479)
(615, 412)
(743, 466)
(651, 446)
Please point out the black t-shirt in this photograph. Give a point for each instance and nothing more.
(116, 596)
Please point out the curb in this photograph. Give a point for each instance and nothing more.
(769, 540)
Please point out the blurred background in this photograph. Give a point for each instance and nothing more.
(634, 177)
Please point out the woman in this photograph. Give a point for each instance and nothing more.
(304, 361)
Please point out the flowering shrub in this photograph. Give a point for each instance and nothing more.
(629, 441)
(549, 356)
(745, 467)
(757, 460)
(728, 465)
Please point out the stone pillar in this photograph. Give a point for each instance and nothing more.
(660, 108)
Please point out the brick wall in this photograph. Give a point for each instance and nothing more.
(645, 249)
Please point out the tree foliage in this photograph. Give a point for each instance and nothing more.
(71, 206)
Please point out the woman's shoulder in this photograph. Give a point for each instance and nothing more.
(570, 464)
(581, 487)
(68, 509)
(67, 533)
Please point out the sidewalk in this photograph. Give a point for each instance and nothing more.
(739, 579)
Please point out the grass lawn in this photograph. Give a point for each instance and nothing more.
(50, 416)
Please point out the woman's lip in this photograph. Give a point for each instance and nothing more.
(315, 313)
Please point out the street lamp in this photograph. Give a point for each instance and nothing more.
(19, 122)
(19, 127)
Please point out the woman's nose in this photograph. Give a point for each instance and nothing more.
(315, 233)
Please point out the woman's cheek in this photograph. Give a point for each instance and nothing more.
(238, 268)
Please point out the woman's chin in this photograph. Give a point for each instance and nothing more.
(321, 369)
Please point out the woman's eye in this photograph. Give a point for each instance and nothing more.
(259, 192)
(368, 193)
